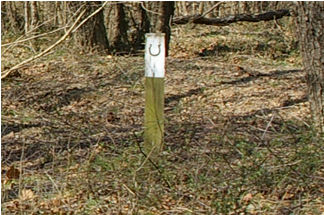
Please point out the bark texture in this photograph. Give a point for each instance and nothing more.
(11, 17)
(27, 16)
(310, 31)
(91, 36)
(119, 40)
(34, 14)
(163, 24)
(142, 25)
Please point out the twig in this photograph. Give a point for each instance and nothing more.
(147, 157)
(278, 25)
(10, 45)
(53, 182)
(268, 125)
(4, 51)
(211, 9)
(72, 29)
(38, 26)
(33, 37)
(129, 190)
(91, 15)
(142, 5)
(20, 168)
(6, 73)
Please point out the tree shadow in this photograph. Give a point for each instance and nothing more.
(217, 50)
(275, 73)
(173, 98)
(250, 126)
(6, 128)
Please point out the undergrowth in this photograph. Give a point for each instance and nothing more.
(238, 139)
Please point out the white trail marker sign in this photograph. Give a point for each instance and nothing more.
(154, 93)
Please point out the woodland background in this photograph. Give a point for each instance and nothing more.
(239, 135)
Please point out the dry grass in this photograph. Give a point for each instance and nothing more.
(238, 139)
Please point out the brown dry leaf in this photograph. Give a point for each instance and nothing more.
(111, 117)
(12, 173)
(13, 205)
(288, 196)
(56, 202)
(321, 189)
(248, 197)
(27, 194)
(10, 135)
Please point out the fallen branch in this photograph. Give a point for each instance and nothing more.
(199, 19)
(72, 29)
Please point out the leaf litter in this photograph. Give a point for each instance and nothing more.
(72, 124)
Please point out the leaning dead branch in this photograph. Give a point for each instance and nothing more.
(199, 19)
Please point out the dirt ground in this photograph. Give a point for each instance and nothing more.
(71, 124)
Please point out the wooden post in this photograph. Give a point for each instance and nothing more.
(154, 93)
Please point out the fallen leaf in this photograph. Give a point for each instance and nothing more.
(288, 196)
(10, 135)
(321, 190)
(12, 173)
(248, 197)
(27, 194)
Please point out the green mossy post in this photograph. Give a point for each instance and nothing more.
(154, 93)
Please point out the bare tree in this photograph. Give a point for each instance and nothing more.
(91, 36)
(10, 18)
(62, 13)
(141, 23)
(27, 16)
(310, 25)
(164, 22)
(34, 14)
(201, 7)
(118, 31)
(184, 8)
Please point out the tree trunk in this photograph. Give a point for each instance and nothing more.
(34, 15)
(246, 7)
(12, 16)
(257, 7)
(27, 17)
(141, 23)
(201, 7)
(56, 10)
(164, 22)
(216, 11)
(310, 31)
(236, 7)
(91, 36)
(119, 40)
(208, 6)
(64, 14)
(184, 8)
(193, 7)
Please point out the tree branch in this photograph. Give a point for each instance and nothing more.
(211, 9)
(198, 19)
(72, 29)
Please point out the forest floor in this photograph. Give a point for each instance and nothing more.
(238, 138)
